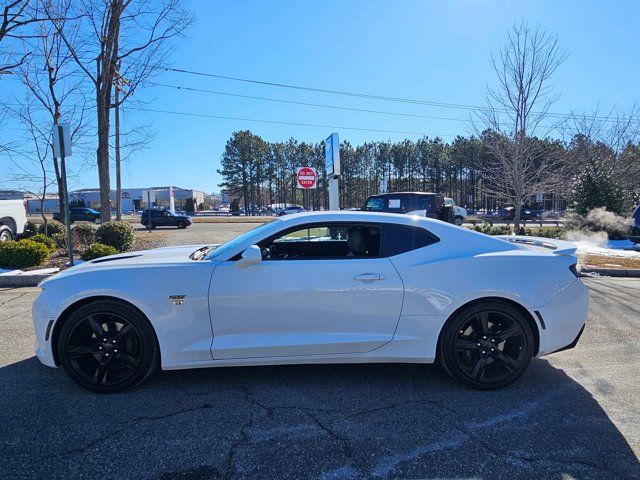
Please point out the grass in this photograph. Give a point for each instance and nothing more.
(602, 261)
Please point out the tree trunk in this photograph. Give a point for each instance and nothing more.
(102, 155)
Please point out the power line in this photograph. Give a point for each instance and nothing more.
(307, 104)
(276, 122)
(381, 97)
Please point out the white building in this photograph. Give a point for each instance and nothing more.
(132, 198)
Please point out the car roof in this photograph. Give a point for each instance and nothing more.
(404, 193)
(361, 216)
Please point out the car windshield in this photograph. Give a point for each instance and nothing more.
(225, 247)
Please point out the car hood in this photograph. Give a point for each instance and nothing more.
(156, 256)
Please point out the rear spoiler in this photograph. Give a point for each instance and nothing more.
(559, 247)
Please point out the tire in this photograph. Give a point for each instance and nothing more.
(5, 234)
(487, 345)
(126, 354)
(458, 221)
(182, 225)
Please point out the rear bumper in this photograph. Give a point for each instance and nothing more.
(565, 318)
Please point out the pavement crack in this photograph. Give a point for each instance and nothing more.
(131, 423)
(344, 441)
(242, 441)
(14, 298)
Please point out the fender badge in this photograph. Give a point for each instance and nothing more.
(177, 299)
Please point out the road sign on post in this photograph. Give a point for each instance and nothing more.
(332, 162)
(307, 178)
(332, 155)
(62, 148)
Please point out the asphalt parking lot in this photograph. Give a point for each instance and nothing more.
(575, 414)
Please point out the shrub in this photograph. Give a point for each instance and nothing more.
(60, 239)
(546, 232)
(23, 254)
(493, 230)
(46, 241)
(53, 227)
(30, 229)
(97, 250)
(117, 234)
(83, 235)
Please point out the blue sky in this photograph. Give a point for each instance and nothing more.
(437, 51)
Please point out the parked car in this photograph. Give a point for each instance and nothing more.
(79, 214)
(154, 217)
(423, 204)
(459, 213)
(509, 214)
(347, 287)
(13, 218)
(634, 233)
(290, 210)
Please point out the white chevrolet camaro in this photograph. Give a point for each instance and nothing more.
(341, 287)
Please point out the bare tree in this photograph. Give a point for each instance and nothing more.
(50, 78)
(37, 149)
(14, 16)
(516, 108)
(127, 39)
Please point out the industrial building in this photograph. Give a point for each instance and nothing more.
(133, 198)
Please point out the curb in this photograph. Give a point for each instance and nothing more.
(609, 272)
(13, 281)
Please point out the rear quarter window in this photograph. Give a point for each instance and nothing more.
(399, 239)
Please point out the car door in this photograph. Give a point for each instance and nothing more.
(321, 300)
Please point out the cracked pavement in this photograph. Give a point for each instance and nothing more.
(574, 414)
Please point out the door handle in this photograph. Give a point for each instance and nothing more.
(369, 277)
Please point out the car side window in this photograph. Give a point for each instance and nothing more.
(324, 241)
(375, 204)
(399, 239)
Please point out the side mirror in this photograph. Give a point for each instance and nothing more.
(251, 256)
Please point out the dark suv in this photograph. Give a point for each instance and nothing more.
(413, 203)
(80, 214)
(163, 218)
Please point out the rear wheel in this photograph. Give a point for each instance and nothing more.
(5, 234)
(487, 345)
(107, 346)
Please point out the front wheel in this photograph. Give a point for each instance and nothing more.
(182, 225)
(107, 346)
(458, 221)
(486, 346)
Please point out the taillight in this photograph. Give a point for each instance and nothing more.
(574, 269)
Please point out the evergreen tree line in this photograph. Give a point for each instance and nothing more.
(262, 173)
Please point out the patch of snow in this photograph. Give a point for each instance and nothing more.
(42, 271)
(611, 248)
(6, 273)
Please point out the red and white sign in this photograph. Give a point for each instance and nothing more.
(307, 177)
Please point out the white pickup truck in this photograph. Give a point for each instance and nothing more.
(13, 217)
(459, 213)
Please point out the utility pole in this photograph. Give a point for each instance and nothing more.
(116, 112)
(118, 83)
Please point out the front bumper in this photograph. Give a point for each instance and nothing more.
(43, 328)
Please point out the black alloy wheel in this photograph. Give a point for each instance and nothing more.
(107, 346)
(487, 345)
(182, 225)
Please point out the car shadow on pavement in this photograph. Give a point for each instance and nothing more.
(307, 421)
